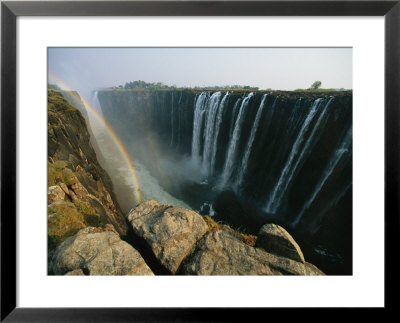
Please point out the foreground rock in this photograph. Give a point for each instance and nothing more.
(91, 252)
(219, 253)
(170, 231)
(275, 239)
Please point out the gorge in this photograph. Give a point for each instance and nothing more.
(248, 158)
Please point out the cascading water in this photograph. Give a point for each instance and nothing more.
(233, 145)
(172, 118)
(341, 155)
(217, 129)
(209, 131)
(245, 160)
(297, 155)
(198, 120)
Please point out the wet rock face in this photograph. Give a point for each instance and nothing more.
(275, 239)
(218, 253)
(95, 252)
(170, 231)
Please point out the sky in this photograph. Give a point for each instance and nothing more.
(87, 69)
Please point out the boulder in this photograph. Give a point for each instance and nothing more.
(98, 252)
(170, 231)
(80, 191)
(64, 188)
(219, 253)
(275, 239)
(55, 193)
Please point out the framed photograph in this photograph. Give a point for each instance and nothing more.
(193, 155)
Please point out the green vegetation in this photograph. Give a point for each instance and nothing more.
(63, 221)
(140, 85)
(316, 85)
(59, 172)
(55, 101)
(91, 217)
(227, 88)
(323, 91)
(144, 85)
(315, 88)
(53, 87)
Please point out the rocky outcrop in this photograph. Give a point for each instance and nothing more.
(275, 239)
(170, 231)
(93, 251)
(188, 244)
(75, 176)
(219, 253)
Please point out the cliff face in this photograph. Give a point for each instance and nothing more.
(80, 193)
(167, 114)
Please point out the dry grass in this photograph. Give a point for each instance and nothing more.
(59, 172)
(216, 226)
(212, 225)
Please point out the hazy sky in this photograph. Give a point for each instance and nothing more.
(85, 69)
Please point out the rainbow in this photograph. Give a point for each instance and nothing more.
(110, 131)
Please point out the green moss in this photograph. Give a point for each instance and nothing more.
(55, 101)
(56, 126)
(58, 171)
(63, 221)
(90, 215)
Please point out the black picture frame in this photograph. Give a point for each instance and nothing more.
(10, 10)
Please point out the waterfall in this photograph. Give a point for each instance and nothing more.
(234, 114)
(298, 154)
(342, 151)
(209, 130)
(233, 145)
(217, 129)
(245, 160)
(172, 119)
(179, 121)
(197, 124)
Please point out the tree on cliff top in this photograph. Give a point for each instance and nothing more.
(316, 85)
